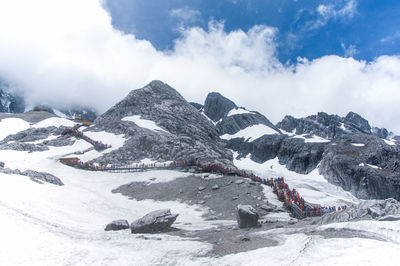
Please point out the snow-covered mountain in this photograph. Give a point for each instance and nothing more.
(56, 214)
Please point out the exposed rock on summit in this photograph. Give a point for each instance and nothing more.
(217, 106)
(181, 133)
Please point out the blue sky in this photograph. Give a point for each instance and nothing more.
(306, 28)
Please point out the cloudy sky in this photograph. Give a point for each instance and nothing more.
(282, 57)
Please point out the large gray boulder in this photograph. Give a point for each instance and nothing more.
(153, 222)
(246, 216)
(117, 225)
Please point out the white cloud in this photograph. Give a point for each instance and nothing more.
(346, 11)
(66, 51)
(349, 51)
(186, 15)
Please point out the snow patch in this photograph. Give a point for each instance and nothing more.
(358, 144)
(54, 121)
(391, 142)
(252, 132)
(312, 139)
(60, 114)
(9, 126)
(239, 111)
(370, 165)
(144, 123)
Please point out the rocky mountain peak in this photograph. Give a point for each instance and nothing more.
(217, 106)
(358, 122)
(180, 131)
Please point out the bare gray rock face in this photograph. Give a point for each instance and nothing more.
(117, 225)
(370, 169)
(154, 222)
(186, 134)
(217, 106)
(246, 216)
(355, 120)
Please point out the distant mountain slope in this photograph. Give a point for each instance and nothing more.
(160, 124)
(9, 102)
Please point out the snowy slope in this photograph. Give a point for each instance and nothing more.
(251, 133)
(10, 126)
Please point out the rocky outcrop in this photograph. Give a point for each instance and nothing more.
(217, 106)
(364, 165)
(370, 209)
(183, 134)
(35, 176)
(34, 134)
(234, 123)
(21, 146)
(197, 106)
(43, 176)
(357, 122)
(322, 125)
(246, 216)
(117, 225)
(154, 222)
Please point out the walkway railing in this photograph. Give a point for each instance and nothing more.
(98, 145)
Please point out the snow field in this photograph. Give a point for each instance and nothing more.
(238, 111)
(251, 133)
(144, 123)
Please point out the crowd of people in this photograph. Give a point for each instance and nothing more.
(293, 198)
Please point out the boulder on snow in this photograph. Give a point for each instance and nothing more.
(43, 176)
(153, 222)
(117, 225)
(1, 165)
(246, 216)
